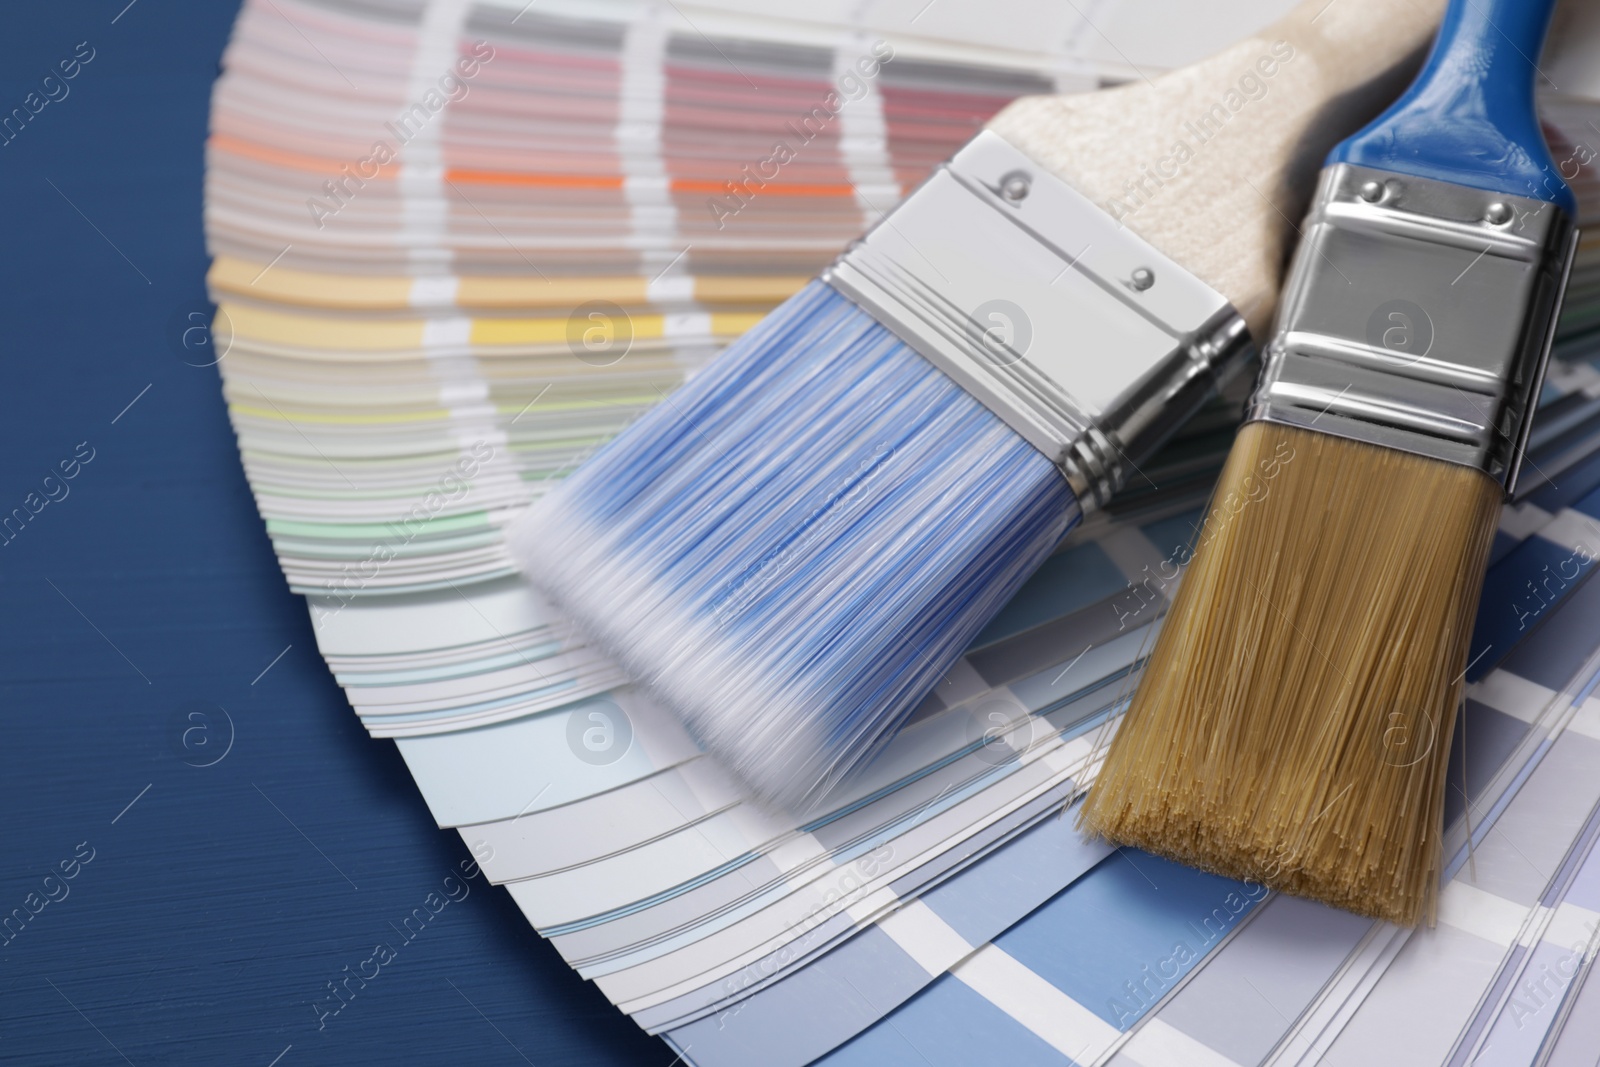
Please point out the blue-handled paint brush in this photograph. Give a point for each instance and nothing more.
(795, 547)
(1294, 721)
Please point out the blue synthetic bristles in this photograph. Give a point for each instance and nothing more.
(793, 548)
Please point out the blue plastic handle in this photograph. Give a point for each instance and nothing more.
(1469, 118)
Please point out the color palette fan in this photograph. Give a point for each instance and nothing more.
(460, 245)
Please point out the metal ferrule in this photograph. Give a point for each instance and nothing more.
(1418, 315)
(1079, 335)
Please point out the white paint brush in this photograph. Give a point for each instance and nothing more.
(794, 547)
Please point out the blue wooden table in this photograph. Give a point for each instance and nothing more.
(198, 836)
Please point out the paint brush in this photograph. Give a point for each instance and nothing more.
(793, 548)
(1293, 725)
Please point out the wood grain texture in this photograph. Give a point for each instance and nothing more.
(1214, 163)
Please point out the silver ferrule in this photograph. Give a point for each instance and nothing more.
(1079, 335)
(1418, 315)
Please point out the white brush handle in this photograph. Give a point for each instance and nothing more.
(1213, 164)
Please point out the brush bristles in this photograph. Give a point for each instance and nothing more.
(795, 547)
(1293, 725)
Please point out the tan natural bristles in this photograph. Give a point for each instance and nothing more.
(1293, 724)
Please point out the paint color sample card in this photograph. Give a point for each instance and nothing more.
(460, 245)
